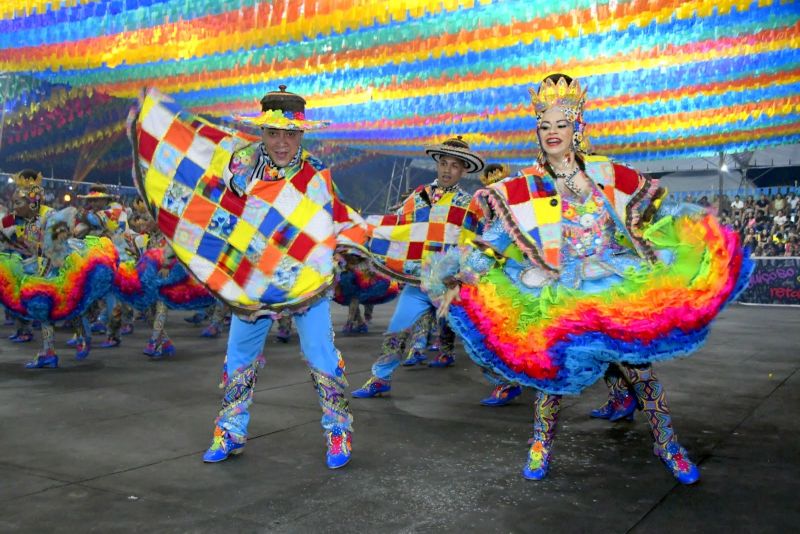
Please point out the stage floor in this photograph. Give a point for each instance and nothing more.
(113, 444)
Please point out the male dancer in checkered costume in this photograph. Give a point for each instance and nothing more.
(258, 222)
(432, 219)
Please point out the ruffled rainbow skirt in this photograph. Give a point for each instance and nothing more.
(562, 340)
(86, 275)
(140, 284)
(366, 285)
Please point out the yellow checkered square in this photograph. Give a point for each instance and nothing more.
(242, 235)
(303, 213)
(546, 213)
(156, 185)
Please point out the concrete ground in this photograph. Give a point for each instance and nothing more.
(113, 444)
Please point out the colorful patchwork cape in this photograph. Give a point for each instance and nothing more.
(267, 250)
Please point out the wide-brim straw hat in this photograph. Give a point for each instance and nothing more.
(456, 147)
(284, 111)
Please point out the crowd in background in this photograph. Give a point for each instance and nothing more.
(768, 219)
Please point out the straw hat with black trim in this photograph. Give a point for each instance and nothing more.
(97, 191)
(456, 147)
(284, 111)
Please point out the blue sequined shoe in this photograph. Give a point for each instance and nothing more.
(82, 349)
(150, 349)
(623, 407)
(98, 328)
(603, 412)
(538, 461)
(222, 446)
(443, 360)
(502, 395)
(43, 361)
(197, 318)
(166, 349)
(211, 331)
(126, 329)
(110, 343)
(22, 337)
(414, 359)
(372, 388)
(159, 349)
(74, 341)
(618, 407)
(677, 461)
(340, 448)
(361, 329)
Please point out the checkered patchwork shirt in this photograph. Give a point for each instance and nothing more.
(399, 242)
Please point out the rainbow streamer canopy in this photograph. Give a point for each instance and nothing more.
(665, 79)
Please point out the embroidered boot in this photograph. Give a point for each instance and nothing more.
(545, 419)
(653, 402)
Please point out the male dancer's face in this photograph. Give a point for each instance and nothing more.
(281, 145)
(449, 170)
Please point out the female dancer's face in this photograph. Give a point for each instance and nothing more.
(555, 133)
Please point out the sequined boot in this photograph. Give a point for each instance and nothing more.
(545, 419)
(653, 402)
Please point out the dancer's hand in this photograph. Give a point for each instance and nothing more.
(449, 296)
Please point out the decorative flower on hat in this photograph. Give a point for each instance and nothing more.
(282, 110)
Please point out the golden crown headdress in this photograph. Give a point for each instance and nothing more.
(568, 96)
(494, 173)
(26, 179)
(29, 186)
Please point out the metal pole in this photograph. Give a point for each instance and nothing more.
(3, 103)
(721, 181)
(389, 189)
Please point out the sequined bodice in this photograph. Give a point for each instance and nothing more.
(587, 226)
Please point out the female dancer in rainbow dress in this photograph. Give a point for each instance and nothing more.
(50, 277)
(593, 274)
(360, 284)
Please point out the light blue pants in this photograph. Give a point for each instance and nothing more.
(412, 304)
(245, 345)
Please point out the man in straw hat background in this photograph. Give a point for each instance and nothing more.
(432, 219)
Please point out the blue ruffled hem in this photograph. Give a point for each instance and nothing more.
(98, 282)
(582, 359)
